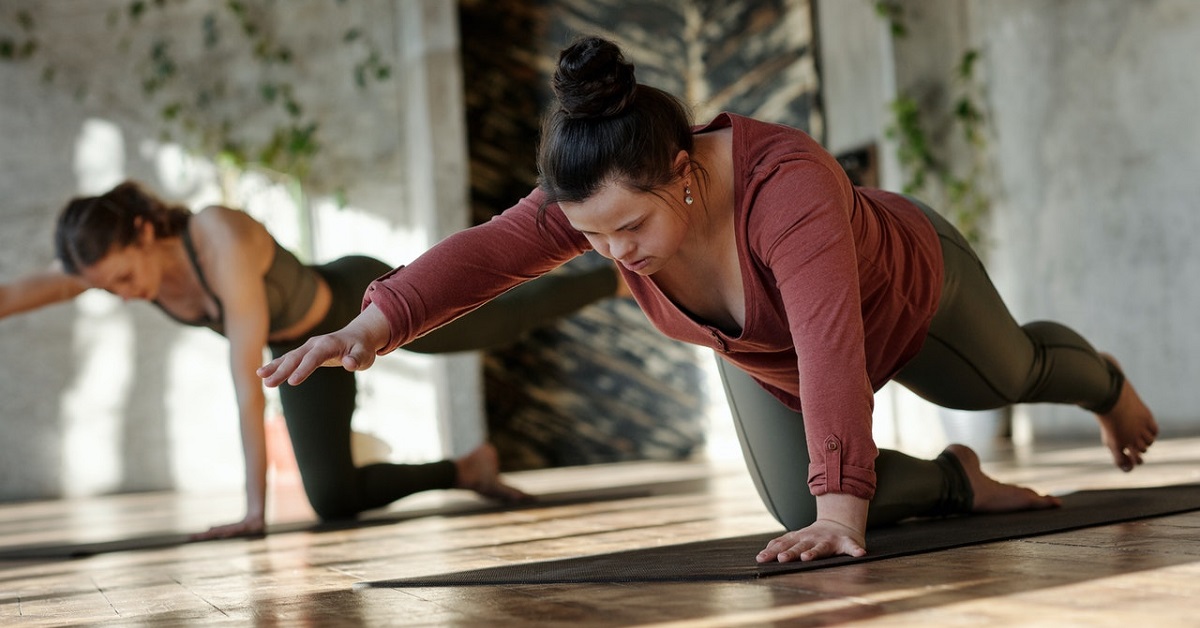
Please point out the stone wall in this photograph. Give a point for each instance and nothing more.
(604, 385)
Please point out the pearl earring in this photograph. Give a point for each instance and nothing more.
(687, 194)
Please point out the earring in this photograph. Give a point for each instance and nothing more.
(687, 194)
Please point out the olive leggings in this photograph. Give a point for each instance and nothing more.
(318, 411)
(975, 357)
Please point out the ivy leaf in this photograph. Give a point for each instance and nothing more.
(967, 111)
(966, 67)
(293, 108)
(212, 34)
(302, 140)
(171, 111)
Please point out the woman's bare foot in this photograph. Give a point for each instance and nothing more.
(1129, 428)
(995, 496)
(479, 471)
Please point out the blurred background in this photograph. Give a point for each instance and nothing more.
(1059, 134)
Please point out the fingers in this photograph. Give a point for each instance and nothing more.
(270, 372)
(298, 364)
(805, 547)
(226, 532)
(305, 361)
(509, 494)
(278, 370)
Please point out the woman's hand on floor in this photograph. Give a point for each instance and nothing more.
(840, 530)
(822, 539)
(250, 526)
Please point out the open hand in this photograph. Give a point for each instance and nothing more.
(822, 539)
(250, 526)
(353, 348)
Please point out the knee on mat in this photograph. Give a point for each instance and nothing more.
(332, 505)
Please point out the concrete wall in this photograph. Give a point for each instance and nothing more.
(100, 396)
(1092, 151)
(1096, 147)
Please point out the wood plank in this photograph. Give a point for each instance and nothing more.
(1109, 575)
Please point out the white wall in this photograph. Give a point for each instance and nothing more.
(1096, 137)
(1093, 151)
(99, 396)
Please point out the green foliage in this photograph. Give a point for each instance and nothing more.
(959, 189)
(22, 45)
(891, 11)
(187, 96)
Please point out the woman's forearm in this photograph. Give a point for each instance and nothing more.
(38, 290)
(254, 449)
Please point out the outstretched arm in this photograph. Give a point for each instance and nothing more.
(458, 275)
(39, 290)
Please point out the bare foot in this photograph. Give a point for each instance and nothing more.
(995, 496)
(1129, 428)
(479, 471)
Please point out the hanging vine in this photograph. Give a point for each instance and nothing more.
(961, 188)
(187, 95)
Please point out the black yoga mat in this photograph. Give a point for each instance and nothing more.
(733, 558)
(166, 539)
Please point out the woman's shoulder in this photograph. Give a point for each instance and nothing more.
(226, 230)
(219, 219)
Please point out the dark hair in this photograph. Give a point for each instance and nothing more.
(90, 227)
(607, 127)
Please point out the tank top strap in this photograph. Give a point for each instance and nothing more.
(190, 248)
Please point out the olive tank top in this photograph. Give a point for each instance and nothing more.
(291, 288)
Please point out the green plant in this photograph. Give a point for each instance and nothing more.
(891, 11)
(959, 188)
(21, 45)
(188, 97)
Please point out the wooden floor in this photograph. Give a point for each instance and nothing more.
(1121, 575)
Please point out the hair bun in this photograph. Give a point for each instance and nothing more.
(593, 80)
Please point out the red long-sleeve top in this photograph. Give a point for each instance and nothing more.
(841, 283)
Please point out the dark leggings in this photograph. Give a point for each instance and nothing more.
(976, 357)
(318, 412)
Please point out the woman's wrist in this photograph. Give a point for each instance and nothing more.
(373, 329)
(844, 509)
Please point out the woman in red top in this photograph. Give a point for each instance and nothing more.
(748, 238)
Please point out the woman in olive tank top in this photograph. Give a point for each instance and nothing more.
(221, 269)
